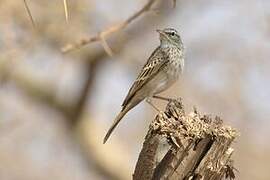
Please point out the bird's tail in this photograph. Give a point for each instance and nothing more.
(115, 123)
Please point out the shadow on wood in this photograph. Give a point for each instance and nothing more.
(186, 146)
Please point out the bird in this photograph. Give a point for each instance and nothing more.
(161, 70)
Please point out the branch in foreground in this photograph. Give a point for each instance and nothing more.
(199, 147)
(101, 37)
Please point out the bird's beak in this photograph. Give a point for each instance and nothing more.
(162, 33)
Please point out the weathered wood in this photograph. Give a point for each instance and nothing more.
(199, 147)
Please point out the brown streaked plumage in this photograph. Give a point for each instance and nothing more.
(161, 70)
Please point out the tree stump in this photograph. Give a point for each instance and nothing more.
(180, 146)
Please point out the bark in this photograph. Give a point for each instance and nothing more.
(199, 147)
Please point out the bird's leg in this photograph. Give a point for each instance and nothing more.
(148, 100)
(162, 98)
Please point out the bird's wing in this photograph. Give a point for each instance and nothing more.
(155, 62)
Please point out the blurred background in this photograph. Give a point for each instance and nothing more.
(55, 108)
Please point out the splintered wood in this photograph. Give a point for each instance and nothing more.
(186, 146)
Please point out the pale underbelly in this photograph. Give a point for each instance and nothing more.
(161, 82)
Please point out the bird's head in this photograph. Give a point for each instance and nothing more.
(170, 37)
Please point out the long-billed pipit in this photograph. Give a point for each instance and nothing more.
(161, 70)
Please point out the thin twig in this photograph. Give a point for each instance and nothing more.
(66, 10)
(174, 3)
(106, 46)
(105, 33)
(29, 13)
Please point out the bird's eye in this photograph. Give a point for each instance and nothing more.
(173, 33)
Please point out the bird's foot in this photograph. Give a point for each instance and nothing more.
(163, 98)
(148, 100)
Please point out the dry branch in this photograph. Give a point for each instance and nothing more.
(101, 37)
(66, 10)
(199, 147)
(29, 13)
